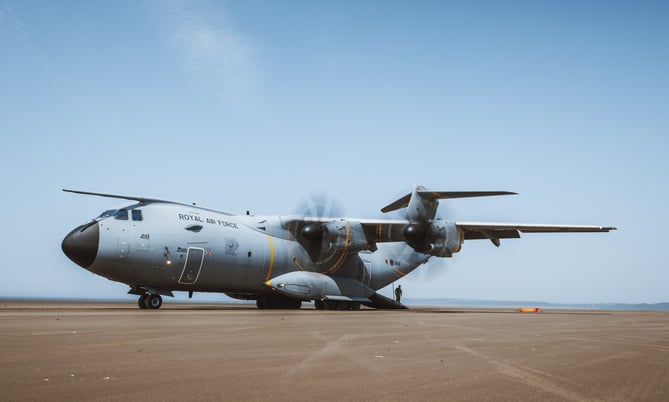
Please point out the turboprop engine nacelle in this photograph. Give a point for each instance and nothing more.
(344, 235)
(438, 238)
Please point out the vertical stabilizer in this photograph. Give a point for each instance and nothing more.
(422, 205)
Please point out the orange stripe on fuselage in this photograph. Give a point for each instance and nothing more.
(342, 257)
(398, 273)
(271, 259)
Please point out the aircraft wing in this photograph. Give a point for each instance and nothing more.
(381, 230)
(496, 231)
(388, 231)
(530, 227)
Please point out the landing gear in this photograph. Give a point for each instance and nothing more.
(336, 305)
(150, 301)
(283, 303)
(141, 300)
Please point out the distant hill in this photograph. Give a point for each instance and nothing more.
(530, 303)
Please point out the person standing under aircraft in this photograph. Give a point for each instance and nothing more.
(398, 293)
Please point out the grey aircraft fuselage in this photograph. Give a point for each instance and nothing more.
(157, 247)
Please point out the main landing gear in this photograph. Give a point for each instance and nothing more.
(282, 303)
(150, 301)
(336, 305)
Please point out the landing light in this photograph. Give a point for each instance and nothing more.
(168, 257)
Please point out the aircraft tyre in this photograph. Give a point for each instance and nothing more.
(282, 303)
(332, 305)
(294, 304)
(338, 305)
(319, 304)
(153, 302)
(141, 302)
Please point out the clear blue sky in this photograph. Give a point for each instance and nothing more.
(251, 105)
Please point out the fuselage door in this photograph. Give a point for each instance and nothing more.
(194, 258)
(367, 272)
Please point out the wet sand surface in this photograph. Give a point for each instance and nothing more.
(114, 351)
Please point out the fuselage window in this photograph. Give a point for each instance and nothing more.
(121, 214)
(136, 214)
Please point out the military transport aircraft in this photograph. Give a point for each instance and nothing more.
(157, 247)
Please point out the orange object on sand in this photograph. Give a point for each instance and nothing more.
(529, 309)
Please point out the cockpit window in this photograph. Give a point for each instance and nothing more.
(136, 214)
(121, 214)
(107, 214)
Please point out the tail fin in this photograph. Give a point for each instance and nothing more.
(422, 203)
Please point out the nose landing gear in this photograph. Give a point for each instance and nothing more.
(150, 301)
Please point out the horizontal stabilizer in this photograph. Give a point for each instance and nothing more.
(440, 195)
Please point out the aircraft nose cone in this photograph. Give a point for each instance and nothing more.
(81, 244)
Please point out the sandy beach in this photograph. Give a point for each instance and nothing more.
(114, 351)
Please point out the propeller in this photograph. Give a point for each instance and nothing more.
(320, 205)
(316, 205)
